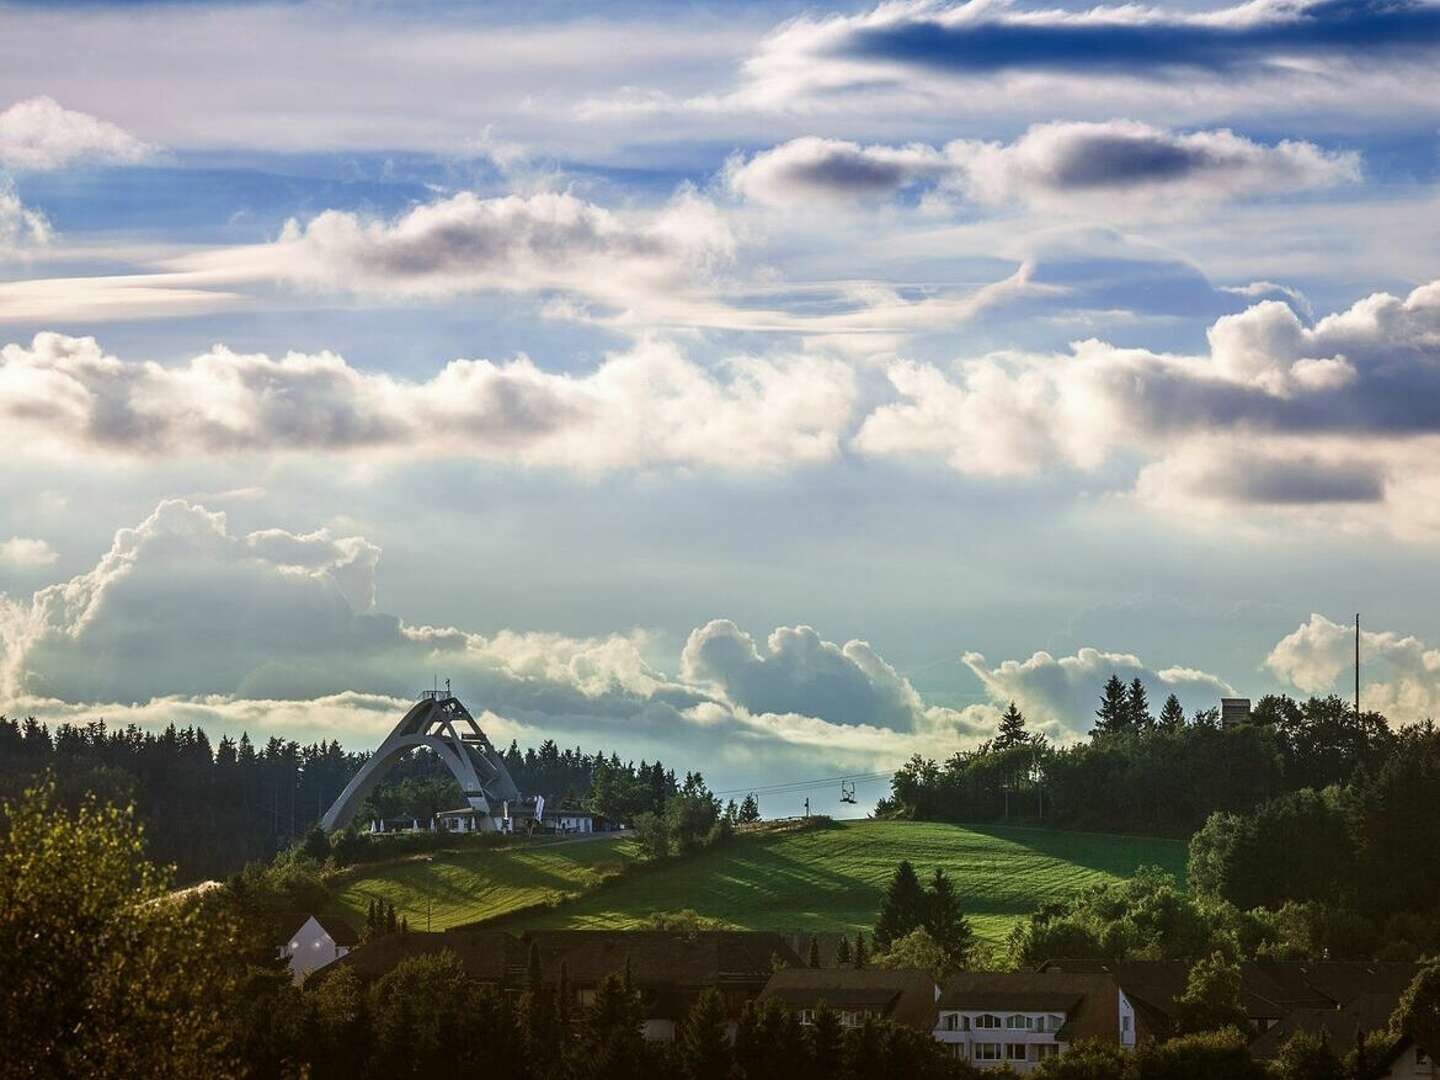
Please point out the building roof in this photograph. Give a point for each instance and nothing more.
(656, 958)
(339, 930)
(1269, 990)
(1088, 1000)
(906, 997)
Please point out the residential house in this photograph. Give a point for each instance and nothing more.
(310, 943)
(904, 997)
(1020, 1019)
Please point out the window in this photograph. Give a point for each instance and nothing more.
(1018, 1022)
(807, 1016)
(1054, 1023)
(586, 998)
(1014, 1051)
(985, 1020)
(950, 1022)
(987, 1051)
(1046, 1050)
(1124, 1023)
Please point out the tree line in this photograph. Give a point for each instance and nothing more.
(210, 808)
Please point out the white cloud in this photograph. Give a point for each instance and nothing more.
(1060, 694)
(1401, 673)
(25, 552)
(1059, 164)
(1279, 414)
(646, 407)
(39, 135)
(20, 226)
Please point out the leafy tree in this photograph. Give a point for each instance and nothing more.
(1418, 1012)
(415, 1010)
(1113, 716)
(1308, 1056)
(652, 833)
(903, 908)
(1214, 1055)
(1088, 1061)
(704, 1051)
(92, 943)
(1172, 715)
(1211, 999)
(918, 951)
(1012, 729)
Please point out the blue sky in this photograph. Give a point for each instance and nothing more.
(777, 389)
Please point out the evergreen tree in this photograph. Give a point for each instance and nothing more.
(562, 995)
(1113, 716)
(827, 1043)
(372, 924)
(842, 952)
(391, 924)
(404, 924)
(704, 1050)
(1138, 706)
(1172, 716)
(1012, 729)
(750, 809)
(612, 1045)
(533, 977)
(903, 908)
(944, 920)
(859, 956)
(814, 958)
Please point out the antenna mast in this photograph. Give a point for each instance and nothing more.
(1357, 664)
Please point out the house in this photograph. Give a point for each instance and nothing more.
(574, 821)
(311, 943)
(905, 997)
(669, 969)
(1020, 1019)
(1332, 997)
(1407, 1060)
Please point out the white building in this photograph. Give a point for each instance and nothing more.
(312, 944)
(1020, 1019)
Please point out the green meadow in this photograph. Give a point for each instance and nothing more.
(829, 878)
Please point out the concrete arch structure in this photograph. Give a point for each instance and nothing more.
(439, 721)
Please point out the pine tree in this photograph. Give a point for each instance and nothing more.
(859, 949)
(371, 922)
(1138, 706)
(704, 1050)
(903, 908)
(827, 1042)
(404, 924)
(1113, 716)
(391, 924)
(944, 920)
(533, 977)
(1012, 729)
(750, 809)
(814, 958)
(842, 952)
(1172, 716)
(562, 995)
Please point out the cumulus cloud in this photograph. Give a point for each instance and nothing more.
(1277, 413)
(464, 243)
(1061, 693)
(39, 135)
(273, 630)
(1050, 163)
(799, 672)
(20, 226)
(649, 406)
(25, 552)
(1401, 672)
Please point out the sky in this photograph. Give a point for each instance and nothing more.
(777, 389)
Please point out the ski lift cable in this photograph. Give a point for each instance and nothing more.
(800, 785)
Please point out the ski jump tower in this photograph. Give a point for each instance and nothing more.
(438, 721)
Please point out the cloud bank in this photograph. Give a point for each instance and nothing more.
(1051, 163)
(650, 406)
(1401, 673)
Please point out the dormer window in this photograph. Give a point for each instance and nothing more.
(987, 1020)
(1016, 1022)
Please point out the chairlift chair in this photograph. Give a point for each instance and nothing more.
(847, 791)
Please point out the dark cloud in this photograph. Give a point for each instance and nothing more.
(1109, 41)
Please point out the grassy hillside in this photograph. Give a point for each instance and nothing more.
(821, 879)
(465, 886)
